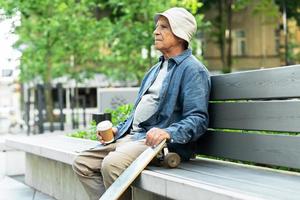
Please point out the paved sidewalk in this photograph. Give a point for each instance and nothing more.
(11, 189)
(14, 188)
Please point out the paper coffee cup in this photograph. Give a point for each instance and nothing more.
(104, 129)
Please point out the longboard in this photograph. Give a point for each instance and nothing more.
(131, 173)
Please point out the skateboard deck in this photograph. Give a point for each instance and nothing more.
(131, 173)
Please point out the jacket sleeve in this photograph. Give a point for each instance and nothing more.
(121, 124)
(193, 99)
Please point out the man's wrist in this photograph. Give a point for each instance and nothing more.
(115, 130)
(168, 136)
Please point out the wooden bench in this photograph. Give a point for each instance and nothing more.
(262, 100)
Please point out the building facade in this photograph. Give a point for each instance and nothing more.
(255, 41)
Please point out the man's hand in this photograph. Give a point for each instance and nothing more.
(114, 130)
(155, 135)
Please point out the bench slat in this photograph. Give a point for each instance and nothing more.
(280, 150)
(268, 115)
(246, 174)
(201, 176)
(258, 84)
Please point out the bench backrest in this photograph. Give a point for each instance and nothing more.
(260, 102)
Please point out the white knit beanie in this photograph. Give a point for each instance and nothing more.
(182, 22)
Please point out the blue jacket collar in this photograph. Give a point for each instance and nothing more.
(178, 59)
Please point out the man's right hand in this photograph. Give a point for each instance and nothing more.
(155, 135)
(114, 130)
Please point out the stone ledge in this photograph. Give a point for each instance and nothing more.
(55, 146)
(48, 163)
(3, 146)
(54, 178)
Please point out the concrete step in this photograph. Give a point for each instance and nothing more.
(11, 189)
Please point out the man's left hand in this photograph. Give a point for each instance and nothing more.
(155, 135)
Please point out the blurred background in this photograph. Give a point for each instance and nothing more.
(61, 59)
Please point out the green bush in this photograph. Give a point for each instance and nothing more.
(118, 115)
(89, 133)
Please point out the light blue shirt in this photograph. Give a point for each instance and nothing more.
(149, 102)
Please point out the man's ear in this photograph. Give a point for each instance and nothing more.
(184, 43)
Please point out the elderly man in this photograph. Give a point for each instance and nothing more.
(172, 104)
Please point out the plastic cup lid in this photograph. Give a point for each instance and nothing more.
(104, 125)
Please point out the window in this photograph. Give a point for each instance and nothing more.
(87, 97)
(238, 43)
(7, 72)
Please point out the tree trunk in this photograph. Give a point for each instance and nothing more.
(229, 40)
(222, 32)
(77, 105)
(49, 104)
(285, 32)
(48, 90)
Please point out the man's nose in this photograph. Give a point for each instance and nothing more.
(156, 32)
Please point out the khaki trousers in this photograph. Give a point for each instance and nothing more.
(98, 168)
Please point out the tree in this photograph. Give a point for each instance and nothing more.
(289, 10)
(222, 23)
(51, 33)
(130, 37)
(222, 26)
(89, 35)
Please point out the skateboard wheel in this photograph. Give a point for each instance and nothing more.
(171, 160)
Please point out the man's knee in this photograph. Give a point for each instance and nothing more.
(112, 166)
(80, 167)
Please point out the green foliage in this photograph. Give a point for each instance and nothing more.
(132, 33)
(257, 132)
(292, 56)
(67, 37)
(56, 37)
(89, 133)
(269, 10)
(120, 114)
(292, 8)
(249, 163)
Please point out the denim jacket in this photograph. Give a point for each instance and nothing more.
(183, 103)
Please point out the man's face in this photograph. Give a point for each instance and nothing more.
(164, 38)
